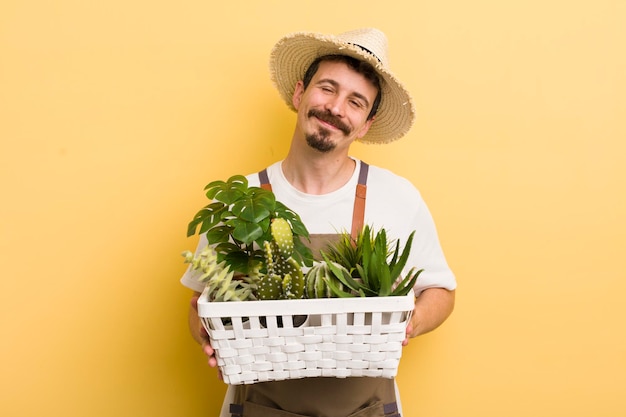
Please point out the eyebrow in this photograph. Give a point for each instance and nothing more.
(354, 93)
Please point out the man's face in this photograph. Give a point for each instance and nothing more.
(333, 110)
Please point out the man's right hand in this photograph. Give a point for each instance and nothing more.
(199, 332)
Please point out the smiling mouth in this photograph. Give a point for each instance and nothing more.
(330, 120)
(324, 122)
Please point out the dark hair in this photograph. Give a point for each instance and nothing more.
(361, 67)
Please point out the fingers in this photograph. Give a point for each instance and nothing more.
(206, 342)
(207, 349)
(209, 352)
(409, 331)
(212, 361)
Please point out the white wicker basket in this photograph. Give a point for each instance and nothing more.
(340, 337)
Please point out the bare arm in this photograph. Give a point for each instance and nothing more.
(432, 308)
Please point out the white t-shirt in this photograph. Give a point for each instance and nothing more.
(392, 202)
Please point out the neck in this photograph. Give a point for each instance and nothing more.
(317, 173)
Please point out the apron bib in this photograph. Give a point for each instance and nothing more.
(321, 396)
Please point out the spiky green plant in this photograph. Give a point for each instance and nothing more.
(347, 251)
(378, 271)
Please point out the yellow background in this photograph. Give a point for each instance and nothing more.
(114, 115)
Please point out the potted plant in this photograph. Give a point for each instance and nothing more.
(368, 266)
(255, 248)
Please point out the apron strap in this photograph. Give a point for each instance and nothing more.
(265, 181)
(358, 213)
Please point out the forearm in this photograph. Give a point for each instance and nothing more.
(432, 308)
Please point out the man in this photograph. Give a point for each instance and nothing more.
(342, 90)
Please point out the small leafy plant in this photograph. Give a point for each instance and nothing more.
(371, 266)
(255, 249)
(237, 224)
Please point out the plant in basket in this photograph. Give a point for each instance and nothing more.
(255, 251)
(255, 248)
(368, 266)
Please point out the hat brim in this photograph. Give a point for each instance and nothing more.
(294, 53)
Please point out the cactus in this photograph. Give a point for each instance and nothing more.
(218, 277)
(270, 285)
(284, 278)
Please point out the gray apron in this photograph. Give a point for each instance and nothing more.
(320, 396)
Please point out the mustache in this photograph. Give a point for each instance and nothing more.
(327, 117)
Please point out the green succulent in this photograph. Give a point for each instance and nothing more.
(347, 251)
(317, 280)
(378, 269)
(218, 278)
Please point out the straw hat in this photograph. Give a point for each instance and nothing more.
(294, 53)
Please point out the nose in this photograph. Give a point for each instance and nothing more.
(335, 106)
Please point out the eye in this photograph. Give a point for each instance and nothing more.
(357, 104)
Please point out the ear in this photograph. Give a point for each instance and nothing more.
(366, 127)
(296, 99)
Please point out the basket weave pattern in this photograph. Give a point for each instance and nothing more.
(280, 343)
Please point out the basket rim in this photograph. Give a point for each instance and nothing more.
(208, 308)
